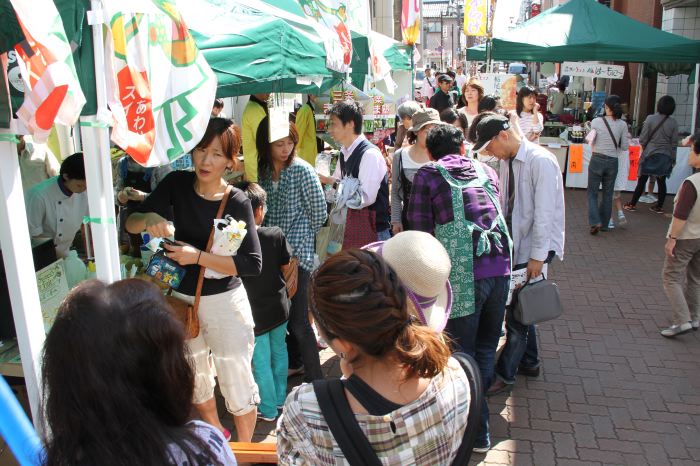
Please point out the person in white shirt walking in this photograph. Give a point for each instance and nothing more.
(429, 86)
(532, 197)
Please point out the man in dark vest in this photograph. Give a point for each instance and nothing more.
(361, 160)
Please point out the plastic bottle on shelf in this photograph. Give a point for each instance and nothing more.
(75, 269)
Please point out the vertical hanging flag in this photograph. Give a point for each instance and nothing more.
(52, 90)
(410, 21)
(475, 17)
(334, 15)
(160, 89)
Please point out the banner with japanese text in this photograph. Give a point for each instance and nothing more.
(475, 17)
(52, 90)
(334, 15)
(410, 21)
(160, 88)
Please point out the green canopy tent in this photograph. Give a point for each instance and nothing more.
(252, 51)
(397, 55)
(256, 53)
(585, 30)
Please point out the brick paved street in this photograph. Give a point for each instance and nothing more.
(612, 390)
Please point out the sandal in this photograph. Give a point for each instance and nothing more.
(595, 229)
(630, 207)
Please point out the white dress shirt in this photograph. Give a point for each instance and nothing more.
(52, 214)
(372, 170)
(538, 208)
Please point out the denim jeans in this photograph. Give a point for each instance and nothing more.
(478, 334)
(520, 348)
(301, 342)
(601, 170)
(270, 369)
(384, 235)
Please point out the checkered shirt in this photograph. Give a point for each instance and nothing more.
(298, 207)
(427, 431)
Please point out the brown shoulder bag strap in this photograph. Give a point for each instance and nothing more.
(200, 280)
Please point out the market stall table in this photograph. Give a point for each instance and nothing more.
(673, 183)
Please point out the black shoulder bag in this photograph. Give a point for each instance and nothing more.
(353, 442)
(617, 143)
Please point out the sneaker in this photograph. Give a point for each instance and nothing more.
(611, 225)
(481, 448)
(647, 199)
(656, 209)
(621, 220)
(265, 419)
(695, 324)
(674, 330)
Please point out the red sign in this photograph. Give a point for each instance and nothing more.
(635, 152)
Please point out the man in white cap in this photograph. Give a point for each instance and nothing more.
(532, 197)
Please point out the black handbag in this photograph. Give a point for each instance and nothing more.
(353, 442)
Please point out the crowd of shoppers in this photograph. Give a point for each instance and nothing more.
(448, 240)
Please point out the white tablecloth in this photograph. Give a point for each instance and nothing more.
(680, 172)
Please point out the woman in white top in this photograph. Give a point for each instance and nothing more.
(609, 142)
(407, 161)
(530, 119)
(472, 93)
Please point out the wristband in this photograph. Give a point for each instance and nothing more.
(199, 256)
(674, 238)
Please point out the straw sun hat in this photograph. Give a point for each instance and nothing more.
(423, 266)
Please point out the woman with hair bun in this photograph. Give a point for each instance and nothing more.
(387, 360)
(609, 141)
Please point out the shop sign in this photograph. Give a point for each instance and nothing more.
(592, 70)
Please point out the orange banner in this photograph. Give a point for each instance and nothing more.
(576, 158)
(635, 154)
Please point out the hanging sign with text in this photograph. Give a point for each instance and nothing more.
(592, 70)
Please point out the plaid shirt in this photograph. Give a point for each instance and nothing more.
(431, 204)
(298, 207)
(428, 430)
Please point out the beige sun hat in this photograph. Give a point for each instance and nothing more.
(423, 266)
(428, 116)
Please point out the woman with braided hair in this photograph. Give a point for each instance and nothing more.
(408, 396)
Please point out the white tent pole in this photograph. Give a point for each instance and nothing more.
(21, 279)
(638, 95)
(98, 166)
(696, 86)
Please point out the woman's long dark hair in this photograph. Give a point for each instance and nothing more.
(263, 145)
(117, 381)
(522, 93)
